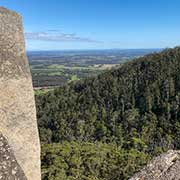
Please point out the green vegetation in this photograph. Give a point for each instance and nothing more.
(131, 112)
(58, 68)
(58, 75)
(42, 91)
(74, 78)
(89, 161)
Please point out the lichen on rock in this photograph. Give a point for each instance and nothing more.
(9, 167)
(164, 167)
(17, 106)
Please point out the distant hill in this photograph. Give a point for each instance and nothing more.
(135, 107)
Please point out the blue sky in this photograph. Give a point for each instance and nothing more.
(98, 24)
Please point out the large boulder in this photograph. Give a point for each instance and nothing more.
(18, 123)
(163, 167)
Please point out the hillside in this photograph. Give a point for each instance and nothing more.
(135, 107)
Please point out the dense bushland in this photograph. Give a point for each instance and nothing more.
(134, 107)
(89, 161)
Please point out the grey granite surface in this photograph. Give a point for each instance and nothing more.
(9, 167)
(18, 121)
(164, 167)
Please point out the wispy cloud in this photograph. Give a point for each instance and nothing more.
(57, 36)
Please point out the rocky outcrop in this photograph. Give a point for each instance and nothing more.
(18, 123)
(9, 167)
(164, 167)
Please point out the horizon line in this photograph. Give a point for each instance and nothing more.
(99, 49)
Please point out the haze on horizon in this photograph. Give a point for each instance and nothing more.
(98, 24)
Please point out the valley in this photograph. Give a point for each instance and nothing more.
(56, 68)
(108, 126)
(89, 90)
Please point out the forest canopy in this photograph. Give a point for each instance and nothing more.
(134, 108)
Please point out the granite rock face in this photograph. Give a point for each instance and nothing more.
(164, 167)
(18, 122)
(9, 167)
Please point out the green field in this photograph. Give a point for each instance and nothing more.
(51, 69)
